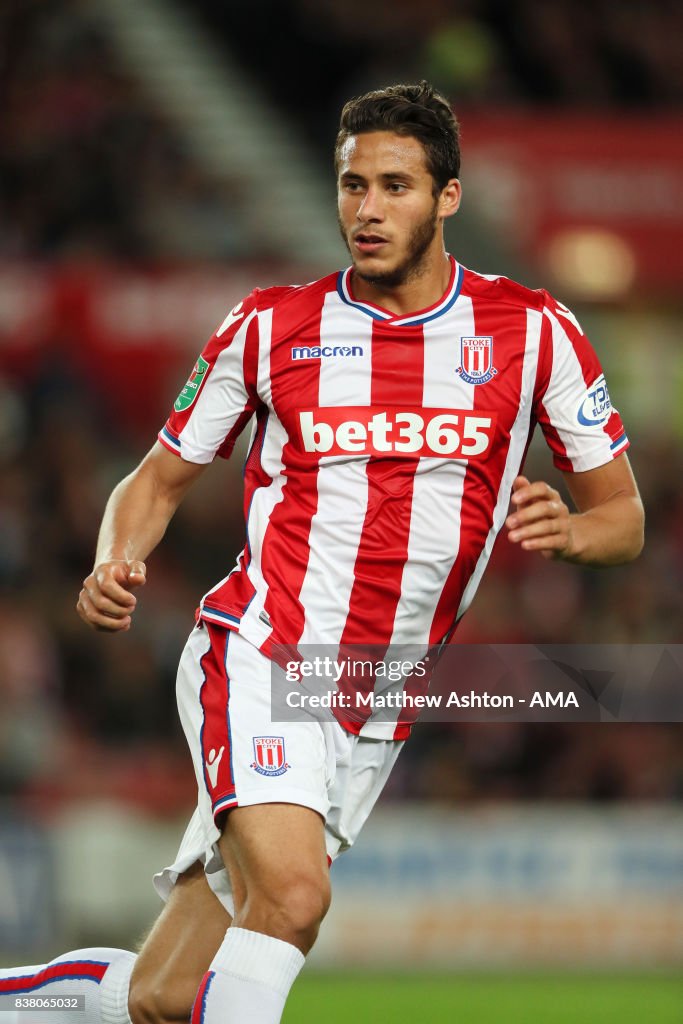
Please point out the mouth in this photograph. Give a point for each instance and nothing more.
(369, 243)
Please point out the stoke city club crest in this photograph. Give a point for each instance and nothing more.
(476, 360)
(269, 755)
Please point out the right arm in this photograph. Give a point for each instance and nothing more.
(135, 519)
(211, 410)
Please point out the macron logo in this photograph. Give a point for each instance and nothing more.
(233, 317)
(212, 764)
(325, 351)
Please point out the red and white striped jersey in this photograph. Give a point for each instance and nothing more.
(383, 449)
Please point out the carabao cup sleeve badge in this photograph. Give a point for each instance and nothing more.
(191, 389)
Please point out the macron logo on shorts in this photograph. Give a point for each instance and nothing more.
(212, 764)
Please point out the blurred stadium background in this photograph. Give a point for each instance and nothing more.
(159, 158)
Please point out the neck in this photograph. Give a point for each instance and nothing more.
(422, 288)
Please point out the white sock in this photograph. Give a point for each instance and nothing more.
(248, 981)
(100, 974)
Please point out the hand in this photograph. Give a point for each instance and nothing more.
(540, 520)
(106, 603)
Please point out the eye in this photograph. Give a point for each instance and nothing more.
(352, 186)
(397, 187)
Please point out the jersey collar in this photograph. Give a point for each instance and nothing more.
(421, 317)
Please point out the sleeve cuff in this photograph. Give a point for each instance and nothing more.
(172, 443)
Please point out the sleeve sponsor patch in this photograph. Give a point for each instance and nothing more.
(595, 406)
(191, 388)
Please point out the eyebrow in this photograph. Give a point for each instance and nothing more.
(388, 176)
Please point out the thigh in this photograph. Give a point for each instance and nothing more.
(270, 847)
(275, 855)
(178, 950)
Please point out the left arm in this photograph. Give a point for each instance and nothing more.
(606, 529)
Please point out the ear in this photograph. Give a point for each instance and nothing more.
(449, 200)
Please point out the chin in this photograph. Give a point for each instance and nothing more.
(375, 265)
(377, 273)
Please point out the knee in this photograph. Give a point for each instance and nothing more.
(293, 912)
(300, 909)
(157, 1000)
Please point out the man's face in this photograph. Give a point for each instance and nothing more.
(388, 215)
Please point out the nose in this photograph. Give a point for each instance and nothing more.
(371, 208)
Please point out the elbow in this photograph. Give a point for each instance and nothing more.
(639, 542)
(626, 535)
(636, 537)
(634, 549)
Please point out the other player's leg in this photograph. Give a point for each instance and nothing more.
(86, 985)
(177, 952)
(158, 986)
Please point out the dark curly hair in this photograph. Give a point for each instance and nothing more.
(414, 110)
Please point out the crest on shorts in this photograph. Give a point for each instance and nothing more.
(476, 360)
(269, 755)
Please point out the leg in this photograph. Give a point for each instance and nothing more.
(275, 856)
(165, 976)
(272, 841)
(175, 956)
(99, 976)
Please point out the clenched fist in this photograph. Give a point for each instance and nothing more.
(106, 601)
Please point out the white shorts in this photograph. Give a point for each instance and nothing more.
(242, 758)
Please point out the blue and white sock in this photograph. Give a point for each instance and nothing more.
(248, 981)
(100, 974)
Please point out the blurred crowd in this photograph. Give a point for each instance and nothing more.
(87, 169)
(606, 55)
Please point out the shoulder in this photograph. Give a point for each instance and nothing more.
(241, 324)
(503, 290)
(278, 296)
